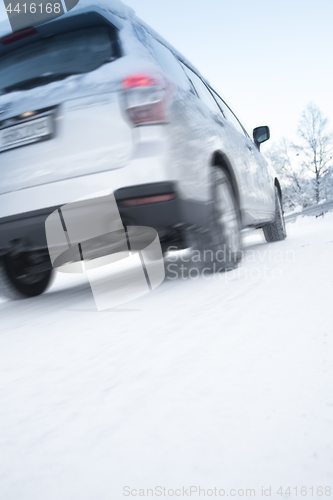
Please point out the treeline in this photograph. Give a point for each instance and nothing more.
(305, 168)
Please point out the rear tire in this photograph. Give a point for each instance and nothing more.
(17, 283)
(276, 230)
(219, 245)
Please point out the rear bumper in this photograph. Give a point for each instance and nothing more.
(158, 215)
(28, 229)
(25, 230)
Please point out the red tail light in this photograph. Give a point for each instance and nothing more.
(18, 35)
(145, 99)
(138, 81)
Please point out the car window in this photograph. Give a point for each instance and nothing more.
(202, 91)
(170, 64)
(230, 116)
(54, 58)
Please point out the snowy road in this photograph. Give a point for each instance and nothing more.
(221, 382)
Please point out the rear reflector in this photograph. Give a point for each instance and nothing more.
(145, 201)
(18, 35)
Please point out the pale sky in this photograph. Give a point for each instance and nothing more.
(267, 58)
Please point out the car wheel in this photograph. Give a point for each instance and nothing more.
(16, 279)
(219, 245)
(276, 230)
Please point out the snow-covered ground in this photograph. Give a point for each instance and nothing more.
(218, 382)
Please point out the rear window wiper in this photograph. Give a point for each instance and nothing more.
(37, 81)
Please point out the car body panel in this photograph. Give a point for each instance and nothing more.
(95, 148)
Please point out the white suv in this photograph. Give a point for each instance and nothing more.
(97, 100)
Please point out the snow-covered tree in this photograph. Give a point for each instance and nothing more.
(315, 151)
(305, 169)
(295, 188)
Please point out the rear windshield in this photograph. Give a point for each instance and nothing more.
(57, 57)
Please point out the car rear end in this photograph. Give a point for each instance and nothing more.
(83, 109)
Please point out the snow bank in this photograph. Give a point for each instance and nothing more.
(296, 210)
(314, 222)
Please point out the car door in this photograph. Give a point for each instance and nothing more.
(257, 172)
(249, 166)
(263, 178)
(210, 118)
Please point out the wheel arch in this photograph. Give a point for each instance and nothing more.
(220, 159)
(277, 184)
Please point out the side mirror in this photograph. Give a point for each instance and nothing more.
(260, 135)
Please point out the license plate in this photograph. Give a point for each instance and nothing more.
(26, 133)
